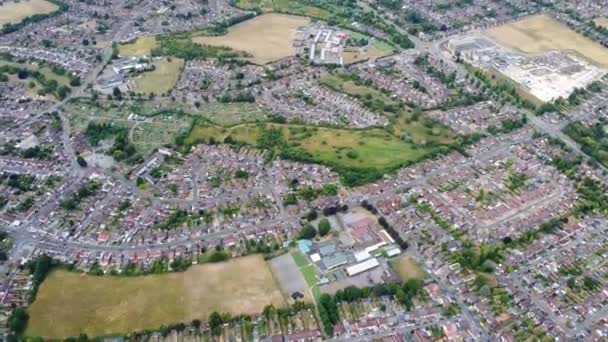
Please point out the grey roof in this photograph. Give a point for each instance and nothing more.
(334, 260)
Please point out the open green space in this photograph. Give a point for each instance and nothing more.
(142, 46)
(371, 98)
(309, 272)
(407, 268)
(69, 303)
(162, 79)
(41, 79)
(359, 156)
(231, 113)
(284, 6)
(300, 259)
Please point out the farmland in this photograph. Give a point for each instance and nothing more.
(70, 303)
(539, 34)
(267, 37)
(12, 12)
(162, 79)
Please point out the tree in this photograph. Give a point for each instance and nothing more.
(23, 74)
(117, 94)
(81, 161)
(18, 321)
(215, 323)
(308, 232)
(324, 226)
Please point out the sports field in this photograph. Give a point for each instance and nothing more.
(540, 33)
(142, 46)
(13, 12)
(162, 79)
(70, 303)
(267, 38)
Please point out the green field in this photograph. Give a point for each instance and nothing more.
(407, 268)
(284, 6)
(227, 114)
(162, 79)
(308, 271)
(377, 48)
(47, 72)
(371, 98)
(71, 303)
(142, 46)
(339, 148)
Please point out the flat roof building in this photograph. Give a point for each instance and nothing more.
(362, 267)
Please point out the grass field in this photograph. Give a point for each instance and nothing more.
(372, 98)
(370, 148)
(540, 33)
(164, 77)
(62, 80)
(70, 303)
(267, 38)
(407, 268)
(284, 6)
(231, 113)
(602, 21)
(13, 12)
(376, 49)
(309, 272)
(140, 47)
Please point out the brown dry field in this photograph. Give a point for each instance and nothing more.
(407, 268)
(70, 303)
(540, 33)
(267, 38)
(13, 12)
